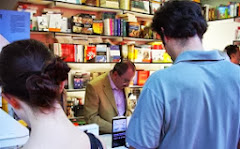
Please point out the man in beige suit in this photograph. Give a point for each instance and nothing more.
(106, 96)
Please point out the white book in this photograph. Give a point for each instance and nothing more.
(42, 23)
(56, 49)
(106, 26)
(79, 53)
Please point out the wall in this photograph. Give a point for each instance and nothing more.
(220, 34)
(8, 4)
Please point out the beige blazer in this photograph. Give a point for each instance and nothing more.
(100, 106)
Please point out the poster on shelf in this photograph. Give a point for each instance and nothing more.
(14, 25)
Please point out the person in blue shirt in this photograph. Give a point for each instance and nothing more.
(195, 103)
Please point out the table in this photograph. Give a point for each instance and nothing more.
(107, 139)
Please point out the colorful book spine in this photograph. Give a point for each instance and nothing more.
(90, 53)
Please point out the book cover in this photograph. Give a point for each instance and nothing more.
(90, 53)
(68, 52)
(115, 53)
(146, 54)
(138, 56)
(119, 127)
(101, 53)
(14, 25)
(154, 5)
(133, 29)
(157, 55)
(142, 76)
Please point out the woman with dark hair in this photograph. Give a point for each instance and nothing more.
(32, 80)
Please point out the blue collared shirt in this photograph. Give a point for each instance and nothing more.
(194, 104)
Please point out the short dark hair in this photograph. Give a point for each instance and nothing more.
(122, 67)
(30, 71)
(231, 49)
(179, 19)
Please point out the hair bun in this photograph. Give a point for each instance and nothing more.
(42, 91)
(57, 70)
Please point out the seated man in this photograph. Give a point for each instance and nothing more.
(106, 96)
(233, 53)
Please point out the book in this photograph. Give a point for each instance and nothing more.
(68, 52)
(14, 25)
(146, 53)
(109, 3)
(101, 55)
(54, 23)
(142, 76)
(42, 23)
(90, 53)
(154, 5)
(119, 127)
(138, 55)
(124, 52)
(124, 4)
(81, 79)
(133, 29)
(79, 53)
(98, 27)
(131, 52)
(157, 55)
(115, 53)
(140, 6)
(106, 27)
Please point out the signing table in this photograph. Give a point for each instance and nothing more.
(107, 139)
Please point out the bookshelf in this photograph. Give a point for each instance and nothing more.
(70, 9)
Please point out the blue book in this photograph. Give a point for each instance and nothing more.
(118, 27)
(14, 25)
(115, 27)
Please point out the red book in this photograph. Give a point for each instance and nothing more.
(68, 52)
(239, 9)
(142, 77)
(90, 53)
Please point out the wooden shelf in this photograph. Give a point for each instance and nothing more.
(41, 32)
(75, 90)
(85, 36)
(139, 14)
(84, 7)
(88, 36)
(103, 67)
(140, 39)
(40, 2)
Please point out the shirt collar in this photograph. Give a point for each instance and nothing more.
(213, 55)
(113, 86)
